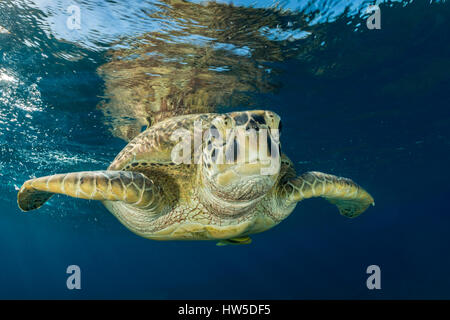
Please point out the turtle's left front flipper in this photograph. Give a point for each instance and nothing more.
(133, 188)
(350, 198)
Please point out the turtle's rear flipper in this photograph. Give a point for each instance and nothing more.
(351, 199)
(241, 240)
(133, 188)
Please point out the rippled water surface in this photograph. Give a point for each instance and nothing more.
(371, 105)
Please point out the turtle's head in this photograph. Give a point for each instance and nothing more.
(241, 155)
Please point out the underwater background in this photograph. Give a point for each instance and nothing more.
(368, 104)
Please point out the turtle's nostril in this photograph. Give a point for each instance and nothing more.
(226, 121)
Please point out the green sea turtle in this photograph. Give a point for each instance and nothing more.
(203, 198)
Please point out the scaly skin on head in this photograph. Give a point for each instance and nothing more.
(239, 146)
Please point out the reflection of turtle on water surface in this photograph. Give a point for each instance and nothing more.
(202, 199)
(212, 55)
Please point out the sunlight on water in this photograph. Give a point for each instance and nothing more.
(4, 76)
(105, 22)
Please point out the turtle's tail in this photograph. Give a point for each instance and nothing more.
(130, 187)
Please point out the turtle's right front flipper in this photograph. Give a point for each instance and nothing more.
(133, 188)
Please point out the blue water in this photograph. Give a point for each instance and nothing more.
(371, 105)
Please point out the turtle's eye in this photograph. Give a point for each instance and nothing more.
(214, 133)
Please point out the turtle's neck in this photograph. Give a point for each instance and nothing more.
(225, 208)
